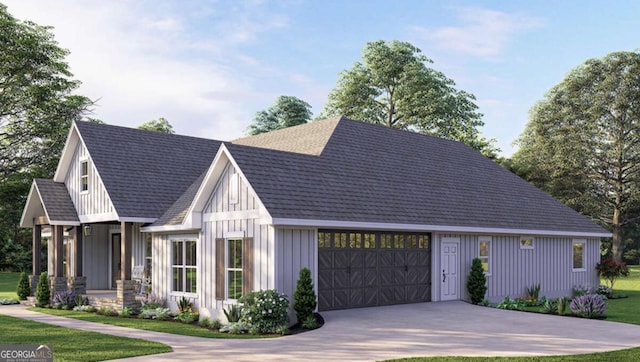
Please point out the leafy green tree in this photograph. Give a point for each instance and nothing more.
(24, 289)
(394, 87)
(582, 143)
(477, 282)
(37, 106)
(161, 125)
(287, 111)
(304, 298)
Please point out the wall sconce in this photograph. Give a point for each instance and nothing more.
(87, 230)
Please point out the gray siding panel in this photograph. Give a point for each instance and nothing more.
(96, 251)
(512, 269)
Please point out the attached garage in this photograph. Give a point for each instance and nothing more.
(365, 268)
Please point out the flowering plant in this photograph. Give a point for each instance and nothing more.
(588, 306)
(610, 269)
(265, 311)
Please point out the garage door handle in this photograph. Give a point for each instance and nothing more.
(444, 276)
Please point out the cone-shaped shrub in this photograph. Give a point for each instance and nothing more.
(24, 289)
(304, 298)
(43, 294)
(476, 284)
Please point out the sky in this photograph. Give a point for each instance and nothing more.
(208, 66)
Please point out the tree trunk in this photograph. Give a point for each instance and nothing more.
(616, 240)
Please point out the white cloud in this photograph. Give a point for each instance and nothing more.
(144, 60)
(482, 33)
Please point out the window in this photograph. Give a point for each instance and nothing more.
(324, 240)
(484, 253)
(84, 175)
(183, 267)
(233, 189)
(526, 242)
(147, 256)
(234, 268)
(578, 255)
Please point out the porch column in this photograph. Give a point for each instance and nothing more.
(126, 246)
(77, 251)
(37, 243)
(58, 250)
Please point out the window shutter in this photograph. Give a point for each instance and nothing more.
(220, 269)
(247, 265)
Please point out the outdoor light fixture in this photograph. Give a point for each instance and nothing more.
(87, 230)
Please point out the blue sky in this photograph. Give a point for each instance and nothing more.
(208, 66)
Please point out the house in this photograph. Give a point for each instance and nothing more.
(380, 216)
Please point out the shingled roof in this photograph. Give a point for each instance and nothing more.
(145, 172)
(374, 174)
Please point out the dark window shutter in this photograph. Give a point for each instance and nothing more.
(220, 269)
(247, 265)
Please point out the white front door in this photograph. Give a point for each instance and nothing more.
(449, 269)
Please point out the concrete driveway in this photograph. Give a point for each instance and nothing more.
(369, 334)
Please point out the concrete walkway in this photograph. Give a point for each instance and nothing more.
(369, 334)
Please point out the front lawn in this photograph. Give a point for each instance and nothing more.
(75, 345)
(9, 285)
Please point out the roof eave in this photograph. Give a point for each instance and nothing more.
(432, 228)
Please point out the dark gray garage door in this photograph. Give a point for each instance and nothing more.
(363, 269)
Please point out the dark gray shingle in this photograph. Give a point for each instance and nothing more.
(56, 200)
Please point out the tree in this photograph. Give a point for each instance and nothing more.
(393, 86)
(304, 298)
(24, 289)
(287, 111)
(43, 293)
(158, 125)
(582, 143)
(476, 284)
(37, 106)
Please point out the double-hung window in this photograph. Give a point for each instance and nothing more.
(578, 255)
(234, 268)
(84, 175)
(484, 253)
(184, 268)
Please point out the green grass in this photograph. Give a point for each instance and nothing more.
(75, 345)
(9, 285)
(626, 310)
(148, 324)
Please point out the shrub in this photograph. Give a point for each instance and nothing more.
(215, 324)
(310, 322)
(24, 289)
(80, 300)
(588, 306)
(84, 308)
(282, 330)
(476, 284)
(64, 300)
(43, 294)
(561, 304)
(304, 298)
(184, 305)
(533, 293)
(161, 314)
(610, 269)
(152, 301)
(579, 290)
(510, 304)
(126, 312)
(204, 322)
(8, 301)
(550, 306)
(265, 309)
(235, 328)
(106, 311)
(233, 313)
(604, 291)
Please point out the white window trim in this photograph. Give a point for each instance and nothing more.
(527, 247)
(487, 239)
(196, 267)
(226, 265)
(84, 159)
(584, 243)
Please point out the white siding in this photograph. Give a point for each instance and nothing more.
(94, 202)
(97, 255)
(220, 217)
(512, 269)
(295, 249)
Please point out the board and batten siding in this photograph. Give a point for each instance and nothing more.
(221, 217)
(95, 202)
(295, 249)
(513, 269)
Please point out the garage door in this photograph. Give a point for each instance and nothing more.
(364, 269)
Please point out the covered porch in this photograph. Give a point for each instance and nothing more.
(81, 256)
